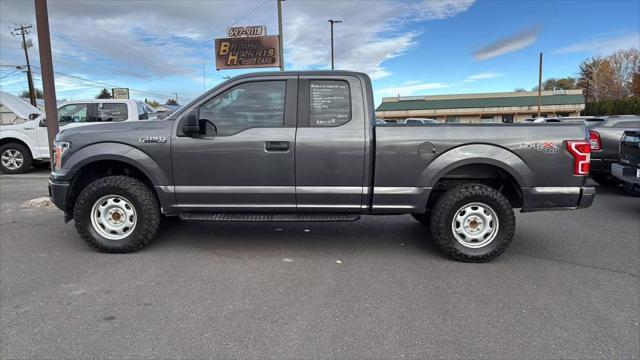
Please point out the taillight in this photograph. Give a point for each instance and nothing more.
(594, 141)
(581, 152)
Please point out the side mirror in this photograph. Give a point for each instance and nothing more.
(43, 123)
(191, 125)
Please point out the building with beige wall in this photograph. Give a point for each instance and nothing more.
(486, 107)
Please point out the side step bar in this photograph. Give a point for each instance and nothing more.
(200, 216)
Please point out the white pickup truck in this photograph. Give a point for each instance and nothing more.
(24, 140)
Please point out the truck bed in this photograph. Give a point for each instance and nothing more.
(410, 160)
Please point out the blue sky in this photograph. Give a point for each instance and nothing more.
(158, 48)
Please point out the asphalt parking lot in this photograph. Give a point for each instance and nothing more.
(568, 287)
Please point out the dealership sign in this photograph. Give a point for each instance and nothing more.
(120, 93)
(247, 47)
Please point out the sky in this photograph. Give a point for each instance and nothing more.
(424, 47)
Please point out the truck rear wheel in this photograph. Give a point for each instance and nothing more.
(15, 158)
(117, 214)
(473, 223)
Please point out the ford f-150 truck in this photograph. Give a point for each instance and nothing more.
(304, 146)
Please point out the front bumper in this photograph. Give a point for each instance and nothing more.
(557, 198)
(626, 173)
(58, 192)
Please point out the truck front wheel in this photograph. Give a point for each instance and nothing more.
(473, 223)
(117, 214)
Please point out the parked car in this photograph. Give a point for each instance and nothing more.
(628, 169)
(605, 138)
(420, 121)
(22, 142)
(587, 120)
(256, 149)
(539, 120)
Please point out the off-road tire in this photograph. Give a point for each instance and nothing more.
(424, 219)
(451, 201)
(605, 179)
(26, 155)
(143, 200)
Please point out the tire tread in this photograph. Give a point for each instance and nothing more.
(441, 224)
(149, 213)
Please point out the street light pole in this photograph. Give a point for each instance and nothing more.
(333, 22)
(280, 42)
(540, 85)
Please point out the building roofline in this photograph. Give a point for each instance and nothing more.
(480, 95)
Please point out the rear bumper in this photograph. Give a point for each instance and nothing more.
(626, 173)
(600, 166)
(557, 198)
(58, 192)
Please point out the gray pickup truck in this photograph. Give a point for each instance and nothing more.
(304, 146)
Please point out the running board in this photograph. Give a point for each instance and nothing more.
(257, 217)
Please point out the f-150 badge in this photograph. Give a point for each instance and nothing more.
(152, 139)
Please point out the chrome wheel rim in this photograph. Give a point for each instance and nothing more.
(475, 225)
(113, 217)
(12, 159)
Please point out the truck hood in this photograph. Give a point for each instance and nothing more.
(18, 106)
(117, 131)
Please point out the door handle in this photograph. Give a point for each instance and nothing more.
(276, 146)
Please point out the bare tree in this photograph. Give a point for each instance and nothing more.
(625, 63)
(611, 77)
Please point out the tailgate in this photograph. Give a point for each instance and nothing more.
(630, 148)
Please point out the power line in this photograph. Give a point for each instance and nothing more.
(249, 13)
(113, 52)
(9, 74)
(109, 85)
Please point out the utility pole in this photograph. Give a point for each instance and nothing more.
(280, 42)
(24, 30)
(46, 67)
(333, 22)
(540, 85)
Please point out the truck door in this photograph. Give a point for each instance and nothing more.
(330, 144)
(245, 161)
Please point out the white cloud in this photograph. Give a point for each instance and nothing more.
(508, 44)
(167, 41)
(406, 90)
(604, 44)
(442, 9)
(482, 76)
(370, 34)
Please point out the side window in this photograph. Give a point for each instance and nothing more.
(329, 103)
(72, 113)
(112, 112)
(245, 106)
(142, 112)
